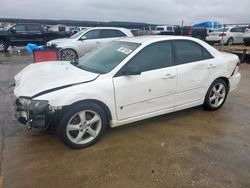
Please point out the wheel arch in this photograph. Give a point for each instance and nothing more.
(223, 77)
(226, 80)
(99, 103)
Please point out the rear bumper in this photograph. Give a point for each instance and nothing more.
(216, 39)
(234, 81)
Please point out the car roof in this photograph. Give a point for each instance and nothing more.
(153, 38)
(119, 28)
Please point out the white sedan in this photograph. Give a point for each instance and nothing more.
(127, 80)
(228, 35)
(86, 40)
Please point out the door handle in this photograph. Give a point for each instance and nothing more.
(211, 66)
(168, 76)
(98, 42)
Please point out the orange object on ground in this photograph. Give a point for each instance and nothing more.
(46, 55)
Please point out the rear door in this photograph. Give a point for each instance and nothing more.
(237, 34)
(108, 35)
(195, 65)
(153, 90)
(35, 34)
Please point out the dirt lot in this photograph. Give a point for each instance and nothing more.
(190, 148)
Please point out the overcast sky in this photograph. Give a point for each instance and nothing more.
(149, 11)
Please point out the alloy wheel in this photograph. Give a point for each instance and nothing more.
(68, 55)
(84, 127)
(230, 42)
(217, 95)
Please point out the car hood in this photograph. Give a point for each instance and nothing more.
(59, 41)
(41, 77)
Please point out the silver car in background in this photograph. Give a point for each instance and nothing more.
(86, 40)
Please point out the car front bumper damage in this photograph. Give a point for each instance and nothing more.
(39, 117)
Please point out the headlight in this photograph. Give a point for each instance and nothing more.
(34, 105)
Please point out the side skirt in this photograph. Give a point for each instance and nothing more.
(116, 123)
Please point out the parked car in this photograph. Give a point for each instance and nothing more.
(196, 32)
(23, 33)
(228, 35)
(87, 40)
(246, 37)
(164, 30)
(127, 80)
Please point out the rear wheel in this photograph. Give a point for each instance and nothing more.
(68, 55)
(82, 125)
(230, 41)
(3, 46)
(216, 95)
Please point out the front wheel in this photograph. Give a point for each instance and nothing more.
(68, 55)
(216, 95)
(230, 41)
(3, 46)
(83, 125)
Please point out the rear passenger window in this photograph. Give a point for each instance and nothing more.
(233, 30)
(206, 54)
(154, 56)
(33, 28)
(119, 34)
(111, 33)
(188, 52)
(169, 28)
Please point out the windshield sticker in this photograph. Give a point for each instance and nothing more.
(124, 50)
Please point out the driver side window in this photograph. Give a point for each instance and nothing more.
(94, 34)
(20, 28)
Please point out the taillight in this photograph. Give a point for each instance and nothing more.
(190, 31)
(238, 63)
(222, 34)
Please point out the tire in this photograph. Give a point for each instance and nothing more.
(68, 55)
(230, 41)
(216, 95)
(211, 43)
(247, 42)
(3, 46)
(82, 125)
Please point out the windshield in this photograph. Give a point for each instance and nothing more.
(78, 34)
(106, 58)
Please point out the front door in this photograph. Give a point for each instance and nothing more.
(154, 89)
(19, 37)
(92, 39)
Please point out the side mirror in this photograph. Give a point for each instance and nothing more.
(83, 38)
(13, 30)
(131, 70)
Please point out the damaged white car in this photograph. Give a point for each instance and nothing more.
(127, 80)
